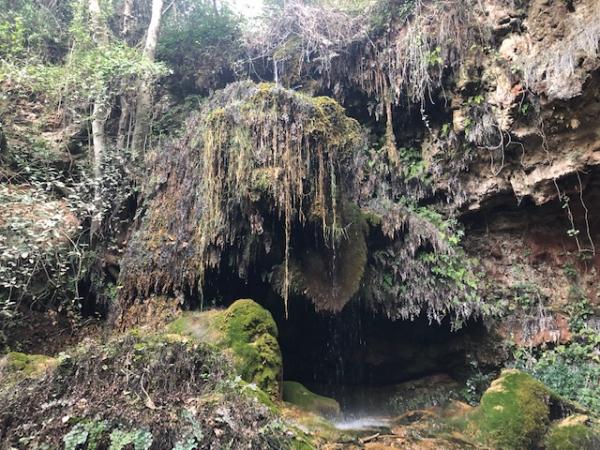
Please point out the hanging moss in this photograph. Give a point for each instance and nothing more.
(330, 277)
(254, 153)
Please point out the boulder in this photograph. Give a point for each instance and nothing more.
(247, 332)
(297, 394)
(514, 412)
(573, 433)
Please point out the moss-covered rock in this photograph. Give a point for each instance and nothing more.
(255, 154)
(16, 366)
(573, 433)
(251, 333)
(299, 395)
(513, 413)
(248, 332)
(164, 388)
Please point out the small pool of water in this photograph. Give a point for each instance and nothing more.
(358, 423)
(374, 408)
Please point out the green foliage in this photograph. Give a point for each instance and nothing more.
(427, 271)
(12, 38)
(200, 43)
(33, 30)
(571, 370)
(39, 255)
(140, 439)
(578, 308)
(433, 57)
(89, 72)
(186, 444)
(86, 432)
(476, 383)
(412, 163)
(385, 11)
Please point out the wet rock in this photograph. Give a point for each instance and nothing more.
(299, 395)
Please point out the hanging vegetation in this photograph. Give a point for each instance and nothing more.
(255, 154)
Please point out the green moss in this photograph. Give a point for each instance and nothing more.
(251, 333)
(311, 272)
(572, 433)
(20, 365)
(513, 413)
(372, 218)
(248, 332)
(299, 395)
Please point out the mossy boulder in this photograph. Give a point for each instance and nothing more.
(573, 433)
(245, 330)
(167, 389)
(16, 366)
(514, 412)
(299, 395)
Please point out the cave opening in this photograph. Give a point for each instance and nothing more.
(371, 365)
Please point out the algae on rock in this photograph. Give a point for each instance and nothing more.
(299, 395)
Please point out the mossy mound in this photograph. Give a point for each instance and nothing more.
(16, 366)
(258, 164)
(163, 389)
(245, 329)
(514, 412)
(251, 333)
(573, 433)
(299, 395)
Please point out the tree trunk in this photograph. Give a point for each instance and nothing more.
(100, 37)
(123, 132)
(127, 18)
(143, 111)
